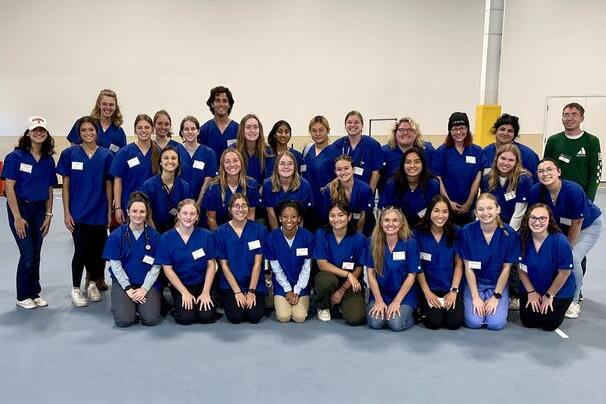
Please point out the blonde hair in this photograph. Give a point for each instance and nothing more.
(185, 202)
(378, 238)
(337, 192)
(493, 198)
(393, 143)
(276, 186)
(260, 146)
(221, 178)
(116, 118)
(321, 120)
(513, 177)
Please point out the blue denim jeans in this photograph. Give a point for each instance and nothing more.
(585, 241)
(399, 323)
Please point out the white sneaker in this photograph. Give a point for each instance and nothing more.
(40, 302)
(93, 293)
(78, 298)
(324, 315)
(573, 310)
(26, 304)
(514, 303)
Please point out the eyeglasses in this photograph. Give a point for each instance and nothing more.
(461, 129)
(237, 206)
(406, 130)
(540, 219)
(546, 170)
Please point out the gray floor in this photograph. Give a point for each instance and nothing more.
(61, 354)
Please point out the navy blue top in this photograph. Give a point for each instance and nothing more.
(437, 260)
(194, 169)
(253, 168)
(213, 202)
(458, 171)
(133, 168)
(393, 161)
(319, 169)
(271, 161)
(271, 199)
(361, 200)
(367, 156)
(530, 160)
(507, 200)
(164, 202)
(113, 138)
(32, 178)
(211, 136)
(412, 203)
(348, 254)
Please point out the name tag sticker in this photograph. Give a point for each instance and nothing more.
(26, 168)
(113, 147)
(399, 255)
(253, 245)
(358, 171)
(231, 142)
(133, 162)
(148, 260)
(422, 212)
(199, 253)
(566, 221)
(487, 171)
(425, 256)
(303, 168)
(470, 159)
(302, 252)
(77, 165)
(199, 164)
(564, 158)
(510, 195)
(523, 267)
(348, 265)
(357, 216)
(475, 265)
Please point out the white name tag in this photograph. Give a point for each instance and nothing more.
(470, 159)
(475, 265)
(199, 164)
(302, 252)
(422, 212)
(26, 168)
(231, 142)
(357, 216)
(510, 195)
(113, 147)
(564, 158)
(348, 265)
(358, 171)
(303, 168)
(425, 256)
(77, 165)
(566, 221)
(523, 267)
(199, 253)
(399, 255)
(487, 170)
(253, 245)
(148, 260)
(133, 162)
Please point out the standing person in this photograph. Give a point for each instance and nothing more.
(458, 164)
(106, 111)
(289, 251)
(220, 132)
(393, 263)
(441, 266)
(162, 132)
(29, 174)
(251, 145)
(87, 199)
(186, 254)
(488, 248)
(340, 252)
(131, 250)
(134, 164)
(239, 251)
(547, 287)
(277, 139)
(577, 216)
(365, 151)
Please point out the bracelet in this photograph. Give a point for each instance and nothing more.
(252, 291)
(118, 208)
(532, 291)
(237, 293)
(49, 214)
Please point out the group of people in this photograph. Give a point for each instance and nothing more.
(460, 235)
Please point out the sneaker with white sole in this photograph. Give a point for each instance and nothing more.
(573, 310)
(40, 302)
(324, 314)
(26, 304)
(514, 303)
(78, 298)
(93, 293)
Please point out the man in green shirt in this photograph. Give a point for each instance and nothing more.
(577, 151)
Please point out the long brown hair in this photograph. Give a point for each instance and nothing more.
(513, 177)
(155, 150)
(116, 118)
(260, 145)
(378, 239)
(526, 233)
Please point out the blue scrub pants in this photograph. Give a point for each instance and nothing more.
(28, 269)
(495, 321)
(585, 241)
(399, 323)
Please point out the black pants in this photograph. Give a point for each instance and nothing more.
(184, 316)
(548, 322)
(89, 240)
(514, 281)
(461, 219)
(236, 314)
(434, 318)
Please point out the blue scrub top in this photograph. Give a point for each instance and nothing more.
(437, 260)
(412, 203)
(507, 200)
(271, 161)
(530, 160)
(240, 253)
(87, 177)
(572, 203)
(319, 169)
(351, 249)
(291, 258)
(195, 168)
(403, 260)
(367, 156)
(133, 167)
(211, 136)
(361, 200)
(253, 168)
(504, 248)
(212, 199)
(393, 161)
(458, 171)
(113, 138)
(32, 178)
(188, 260)
(542, 266)
(122, 246)
(171, 143)
(271, 199)
(164, 202)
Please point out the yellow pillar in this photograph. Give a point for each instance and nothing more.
(485, 117)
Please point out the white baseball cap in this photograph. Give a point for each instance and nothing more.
(34, 122)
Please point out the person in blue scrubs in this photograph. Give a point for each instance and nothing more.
(220, 132)
(87, 198)
(365, 151)
(547, 287)
(574, 212)
(441, 268)
(341, 254)
(506, 130)
(232, 179)
(110, 134)
(250, 142)
(318, 158)
(346, 189)
(289, 250)
(458, 163)
(285, 183)
(277, 139)
(487, 247)
(134, 164)
(239, 245)
(29, 174)
(162, 132)
(405, 134)
(411, 188)
(187, 255)
(131, 250)
(393, 263)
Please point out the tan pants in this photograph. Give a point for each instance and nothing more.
(285, 311)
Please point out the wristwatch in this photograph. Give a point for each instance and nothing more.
(497, 295)
(455, 290)
(547, 295)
